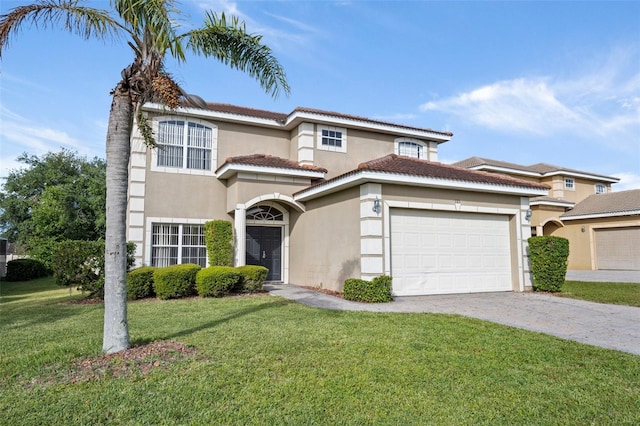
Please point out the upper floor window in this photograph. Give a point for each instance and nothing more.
(412, 149)
(569, 183)
(184, 146)
(600, 188)
(332, 139)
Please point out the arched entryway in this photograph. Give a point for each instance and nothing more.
(265, 226)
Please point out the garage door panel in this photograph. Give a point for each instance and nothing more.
(618, 248)
(459, 252)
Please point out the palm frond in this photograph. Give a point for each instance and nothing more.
(229, 42)
(152, 25)
(81, 20)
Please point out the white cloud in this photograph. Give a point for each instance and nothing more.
(602, 105)
(513, 106)
(280, 37)
(628, 180)
(20, 135)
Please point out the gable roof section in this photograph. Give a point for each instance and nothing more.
(623, 203)
(414, 172)
(535, 170)
(263, 118)
(267, 164)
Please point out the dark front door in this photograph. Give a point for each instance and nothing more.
(264, 247)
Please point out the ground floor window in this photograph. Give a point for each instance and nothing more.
(173, 244)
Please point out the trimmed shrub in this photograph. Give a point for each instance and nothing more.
(548, 257)
(217, 281)
(376, 291)
(253, 277)
(81, 264)
(218, 235)
(175, 281)
(25, 270)
(140, 283)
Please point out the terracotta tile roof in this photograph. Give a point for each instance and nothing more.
(479, 161)
(263, 160)
(539, 168)
(368, 120)
(611, 203)
(281, 117)
(249, 112)
(413, 167)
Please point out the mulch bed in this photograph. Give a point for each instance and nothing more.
(324, 290)
(136, 361)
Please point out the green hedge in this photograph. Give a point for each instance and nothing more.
(25, 270)
(81, 263)
(217, 281)
(175, 281)
(548, 257)
(140, 283)
(253, 277)
(376, 291)
(218, 236)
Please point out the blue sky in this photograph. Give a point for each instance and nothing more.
(525, 82)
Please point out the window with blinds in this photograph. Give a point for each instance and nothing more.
(184, 145)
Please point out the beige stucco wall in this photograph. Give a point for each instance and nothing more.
(325, 241)
(582, 244)
(241, 190)
(185, 196)
(237, 139)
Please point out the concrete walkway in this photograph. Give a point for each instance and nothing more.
(608, 326)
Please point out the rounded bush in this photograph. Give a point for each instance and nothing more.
(176, 281)
(140, 283)
(253, 277)
(376, 291)
(25, 270)
(548, 255)
(217, 281)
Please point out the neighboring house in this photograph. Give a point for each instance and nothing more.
(604, 231)
(603, 227)
(319, 197)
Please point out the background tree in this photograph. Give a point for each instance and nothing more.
(55, 197)
(151, 28)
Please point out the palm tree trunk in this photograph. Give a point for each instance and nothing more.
(116, 327)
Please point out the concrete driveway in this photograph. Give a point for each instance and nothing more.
(609, 326)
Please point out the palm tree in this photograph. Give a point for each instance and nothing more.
(150, 28)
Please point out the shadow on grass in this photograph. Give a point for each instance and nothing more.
(230, 317)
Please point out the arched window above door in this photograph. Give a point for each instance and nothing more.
(265, 213)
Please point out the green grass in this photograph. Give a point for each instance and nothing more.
(266, 360)
(602, 292)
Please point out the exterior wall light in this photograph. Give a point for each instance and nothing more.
(527, 216)
(377, 208)
(583, 229)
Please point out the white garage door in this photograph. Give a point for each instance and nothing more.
(434, 252)
(618, 248)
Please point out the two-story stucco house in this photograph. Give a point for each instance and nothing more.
(603, 227)
(319, 197)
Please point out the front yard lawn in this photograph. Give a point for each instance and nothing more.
(602, 292)
(266, 360)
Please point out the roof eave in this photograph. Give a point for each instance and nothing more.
(297, 117)
(229, 169)
(364, 176)
(601, 215)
